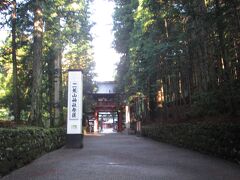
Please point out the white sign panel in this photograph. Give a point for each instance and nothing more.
(75, 94)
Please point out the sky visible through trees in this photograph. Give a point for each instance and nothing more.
(105, 56)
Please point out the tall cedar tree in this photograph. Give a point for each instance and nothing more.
(36, 98)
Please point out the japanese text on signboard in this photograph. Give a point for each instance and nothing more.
(74, 101)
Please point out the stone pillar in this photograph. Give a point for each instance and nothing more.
(127, 118)
(139, 127)
(119, 121)
(95, 129)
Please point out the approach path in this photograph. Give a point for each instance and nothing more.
(126, 157)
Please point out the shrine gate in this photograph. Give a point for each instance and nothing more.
(107, 113)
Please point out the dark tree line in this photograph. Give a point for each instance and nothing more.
(183, 56)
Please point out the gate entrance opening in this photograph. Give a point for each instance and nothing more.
(107, 113)
(108, 122)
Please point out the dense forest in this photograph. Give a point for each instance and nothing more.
(180, 59)
(46, 39)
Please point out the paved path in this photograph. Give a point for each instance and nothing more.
(126, 157)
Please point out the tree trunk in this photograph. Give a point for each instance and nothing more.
(236, 40)
(203, 42)
(51, 89)
(57, 79)
(220, 31)
(57, 87)
(61, 120)
(35, 116)
(225, 61)
(16, 111)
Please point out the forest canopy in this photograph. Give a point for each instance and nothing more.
(46, 39)
(179, 58)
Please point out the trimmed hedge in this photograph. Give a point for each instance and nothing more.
(222, 140)
(19, 146)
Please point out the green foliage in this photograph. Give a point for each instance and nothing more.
(183, 50)
(218, 101)
(22, 145)
(210, 99)
(123, 24)
(221, 139)
(5, 74)
(66, 32)
(71, 36)
(4, 114)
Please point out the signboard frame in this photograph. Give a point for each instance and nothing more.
(75, 108)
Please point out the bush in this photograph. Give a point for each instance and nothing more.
(222, 140)
(225, 99)
(19, 146)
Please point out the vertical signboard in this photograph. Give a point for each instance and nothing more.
(74, 115)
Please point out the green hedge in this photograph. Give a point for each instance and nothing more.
(19, 146)
(222, 140)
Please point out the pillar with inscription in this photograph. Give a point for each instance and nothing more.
(74, 115)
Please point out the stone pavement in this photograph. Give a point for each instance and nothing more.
(126, 157)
